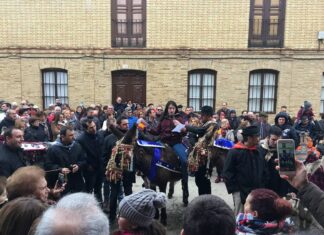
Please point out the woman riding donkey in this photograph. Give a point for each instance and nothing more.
(168, 122)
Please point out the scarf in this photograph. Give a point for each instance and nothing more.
(248, 224)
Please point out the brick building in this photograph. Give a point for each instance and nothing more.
(254, 54)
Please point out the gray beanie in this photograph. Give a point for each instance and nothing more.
(139, 208)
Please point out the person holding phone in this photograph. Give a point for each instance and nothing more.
(268, 150)
(244, 168)
(311, 196)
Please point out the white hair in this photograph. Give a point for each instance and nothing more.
(77, 214)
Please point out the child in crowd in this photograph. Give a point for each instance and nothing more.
(306, 110)
(137, 211)
(264, 213)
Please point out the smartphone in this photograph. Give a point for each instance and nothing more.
(60, 179)
(286, 153)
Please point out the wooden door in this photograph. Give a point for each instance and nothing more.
(129, 85)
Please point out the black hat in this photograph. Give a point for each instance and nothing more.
(180, 106)
(263, 114)
(251, 131)
(207, 110)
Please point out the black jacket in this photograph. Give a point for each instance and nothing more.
(91, 145)
(63, 156)
(7, 122)
(196, 132)
(244, 170)
(288, 132)
(10, 160)
(35, 134)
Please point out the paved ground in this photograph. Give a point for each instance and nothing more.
(175, 207)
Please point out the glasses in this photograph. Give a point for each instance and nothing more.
(159, 109)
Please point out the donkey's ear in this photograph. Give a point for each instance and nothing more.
(130, 135)
(116, 132)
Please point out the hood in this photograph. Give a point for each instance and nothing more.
(281, 114)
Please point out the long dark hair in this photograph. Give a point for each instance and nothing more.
(165, 113)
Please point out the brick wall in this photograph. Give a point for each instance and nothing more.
(220, 24)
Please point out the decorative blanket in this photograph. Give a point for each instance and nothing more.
(151, 144)
(223, 143)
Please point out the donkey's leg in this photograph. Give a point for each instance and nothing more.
(219, 166)
(163, 210)
(171, 189)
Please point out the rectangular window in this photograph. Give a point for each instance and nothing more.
(263, 91)
(55, 86)
(201, 89)
(267, 22)
(128, 23)
(322, 96)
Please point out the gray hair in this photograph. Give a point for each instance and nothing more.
(77, 214)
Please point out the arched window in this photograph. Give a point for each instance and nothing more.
(55, 86)
(263, 91)
(201, 88)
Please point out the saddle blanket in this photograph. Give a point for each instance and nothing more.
(223, 143)
(151, 144)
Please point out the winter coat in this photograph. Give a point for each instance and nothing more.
(288, 132)
(63, 156)
(165, 128)
(10, 160)
(35, 134)
(244, 170)
(6, 122)
(91, 145)
(312, 198)
(310, 129)
(234, 122)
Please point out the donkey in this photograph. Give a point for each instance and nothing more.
(143, 157)
(215, 154)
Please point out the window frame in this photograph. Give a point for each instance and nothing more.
(202, 72)
(322, 88)
(263, 72)
(129, 35)
(265, 24)
(55, 70)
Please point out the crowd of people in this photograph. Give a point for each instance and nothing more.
(68, 192)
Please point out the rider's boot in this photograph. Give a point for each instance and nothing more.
(185, 192)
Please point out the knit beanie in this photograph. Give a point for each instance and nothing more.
(139, 208)
(307, 104)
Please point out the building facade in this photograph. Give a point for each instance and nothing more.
(254, 54)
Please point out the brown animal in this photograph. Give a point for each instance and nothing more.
(204, 152)
(142, 160)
